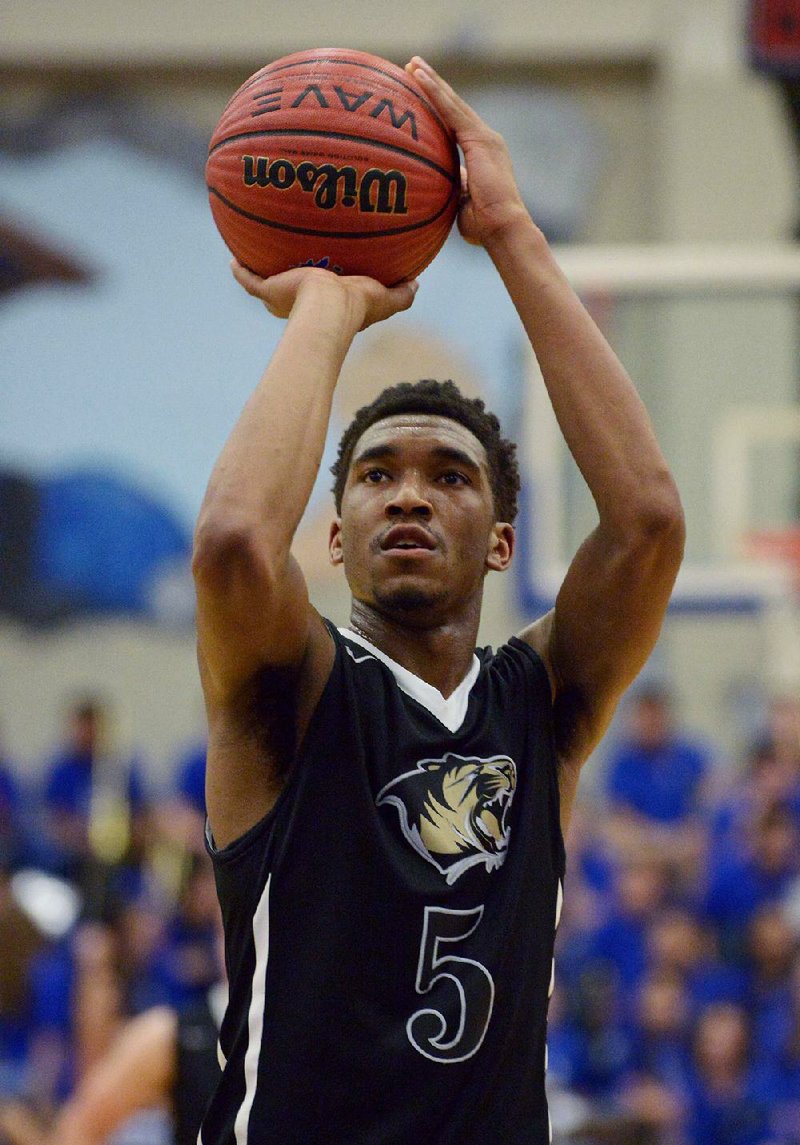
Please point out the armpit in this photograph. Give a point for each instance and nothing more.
(265, 711)
(573, 729)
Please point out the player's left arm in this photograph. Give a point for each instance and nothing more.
(611, 605)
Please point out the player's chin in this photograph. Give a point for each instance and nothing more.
(409, 599)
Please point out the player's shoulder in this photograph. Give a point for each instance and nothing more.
(516, 652)
(535, 641)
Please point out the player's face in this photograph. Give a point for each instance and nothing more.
(417, 530)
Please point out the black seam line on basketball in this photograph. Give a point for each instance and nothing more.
(329, 234)
(272, 69)
(259, 77)
(289, 131)
(254, 79)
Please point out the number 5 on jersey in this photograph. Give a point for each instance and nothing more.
(455, 1032)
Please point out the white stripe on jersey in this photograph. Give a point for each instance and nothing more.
(255, 1016)
(559, 905)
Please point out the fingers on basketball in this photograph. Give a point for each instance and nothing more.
(459, 114)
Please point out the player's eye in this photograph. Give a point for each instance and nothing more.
(375, 476)
(454, 477)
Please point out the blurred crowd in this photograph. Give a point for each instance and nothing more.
(676, 1014)
(108, 910)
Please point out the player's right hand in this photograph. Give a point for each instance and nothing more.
(365, 298)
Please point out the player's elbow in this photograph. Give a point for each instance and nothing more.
(224, 547)
(658, 518)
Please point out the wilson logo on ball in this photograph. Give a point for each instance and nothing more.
(351, 101)
(375, 190)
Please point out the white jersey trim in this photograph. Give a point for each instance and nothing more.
(451, 711)
(255, 1016)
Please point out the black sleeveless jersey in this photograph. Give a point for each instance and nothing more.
(197, 1069)
(389, 926)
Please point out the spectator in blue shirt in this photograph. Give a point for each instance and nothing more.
(654, 1087)
(786, 1045)
(185, 962)
(620, 943)
(94, 802)
(769, 777)
(771, 951)
(660, 1028)
(732, 1096)
(739, 885)
(681, 941)
(588, 1043)
(182, 811)
(655, 784)
(655, 772)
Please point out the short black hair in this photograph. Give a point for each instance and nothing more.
(443, 399)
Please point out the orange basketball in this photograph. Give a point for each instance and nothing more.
(333, 158)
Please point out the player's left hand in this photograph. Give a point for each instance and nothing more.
(491, 201)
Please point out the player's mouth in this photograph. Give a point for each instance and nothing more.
(410, 539)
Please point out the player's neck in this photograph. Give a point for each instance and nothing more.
(440, 654)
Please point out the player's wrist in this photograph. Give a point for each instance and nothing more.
(330, 313)
(332, 300)
(512, 227)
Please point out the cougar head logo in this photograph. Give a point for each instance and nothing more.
(453, 811)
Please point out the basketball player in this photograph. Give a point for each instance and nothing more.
(386, 806)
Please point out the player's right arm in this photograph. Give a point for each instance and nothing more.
(264, 652)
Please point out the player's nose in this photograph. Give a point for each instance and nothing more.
(408, 497)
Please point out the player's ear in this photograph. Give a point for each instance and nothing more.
(335, 542)
(501, 547)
